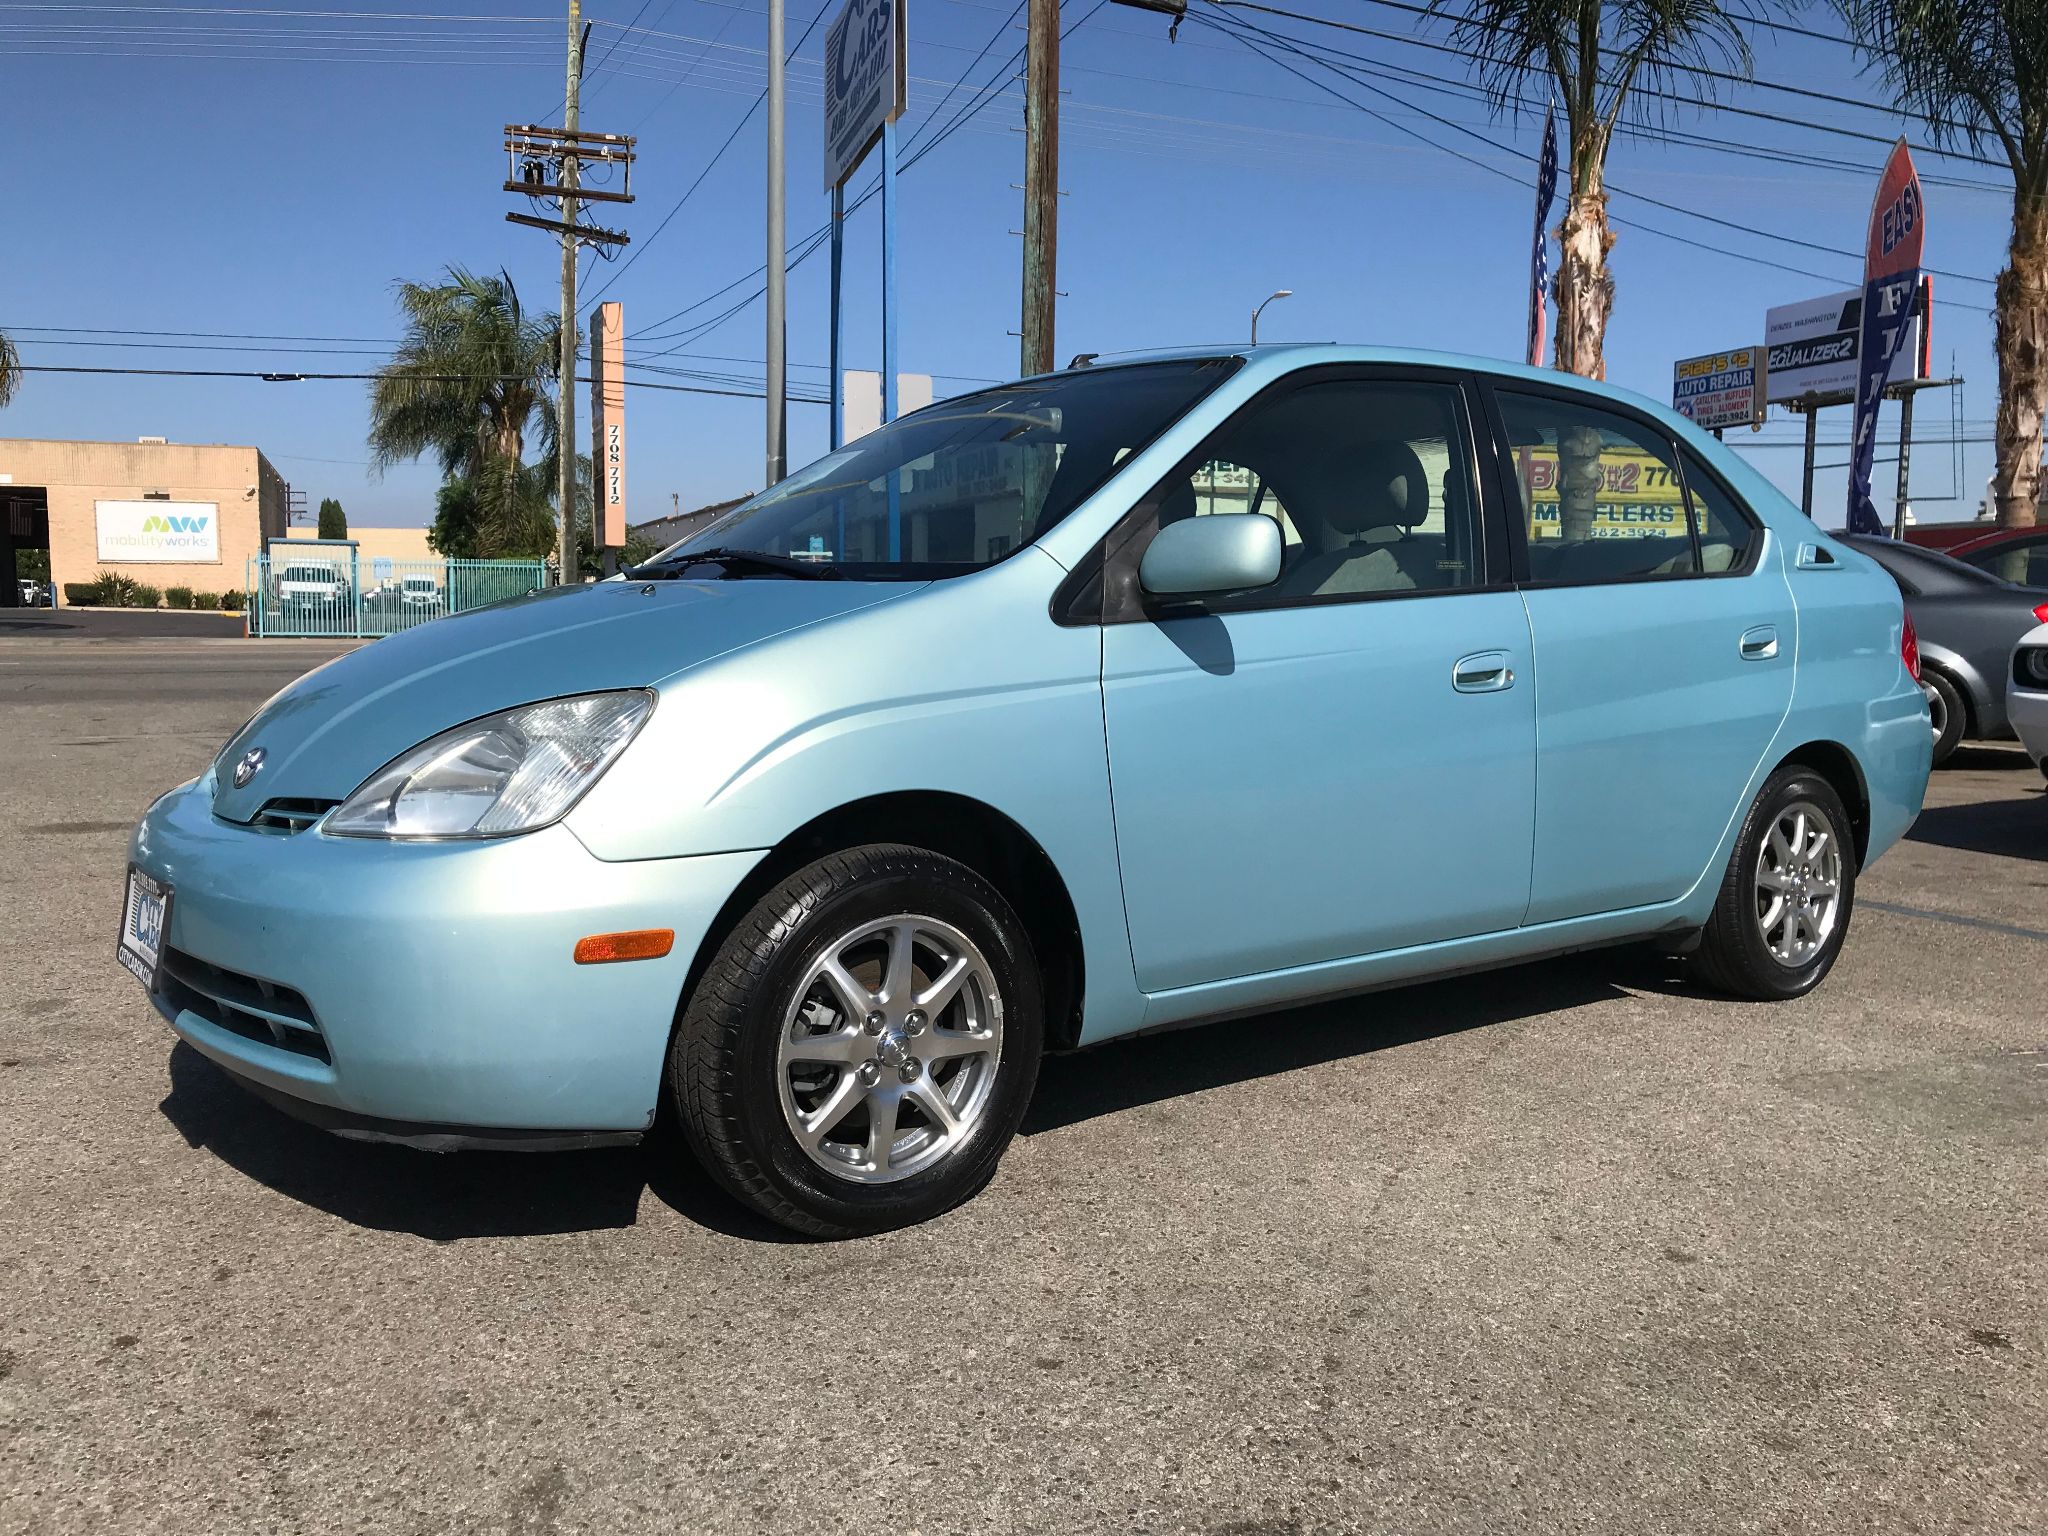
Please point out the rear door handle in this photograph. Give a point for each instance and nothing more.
(1813, 557)
(1760, 644)
(1483, 672)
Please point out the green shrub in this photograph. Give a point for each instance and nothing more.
(233, 602)
(177, 597)
(206, 602)
(81, 594)
(142, 595)
(110, 590)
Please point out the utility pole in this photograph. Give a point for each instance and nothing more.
(547, 162)
(1041, 183)
(778, 337)
(565, 388)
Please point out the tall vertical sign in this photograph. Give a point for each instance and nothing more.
(608, 429)
(866, 81)
(1891, 271)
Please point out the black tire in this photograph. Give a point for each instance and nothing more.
(1734, 955)
(1945, 702)
(723, 1064)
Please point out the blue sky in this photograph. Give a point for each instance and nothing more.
(274, 170)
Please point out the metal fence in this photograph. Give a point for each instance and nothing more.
(329, 591)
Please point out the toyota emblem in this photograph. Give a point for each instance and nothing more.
(250, 765)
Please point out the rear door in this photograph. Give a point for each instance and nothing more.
(1664, 649)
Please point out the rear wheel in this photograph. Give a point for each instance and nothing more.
(862, 1047)
(1945, 713)
(1784, 905)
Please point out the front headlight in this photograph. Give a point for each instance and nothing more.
(2030, 666)
(506, 773)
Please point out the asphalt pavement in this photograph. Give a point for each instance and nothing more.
(1575, 1247)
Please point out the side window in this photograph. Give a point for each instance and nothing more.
(1601, 496)
(1367, 480)
(1725, 532)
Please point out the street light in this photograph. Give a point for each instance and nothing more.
(1284, 293)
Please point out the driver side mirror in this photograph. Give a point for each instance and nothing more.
(1223, 552)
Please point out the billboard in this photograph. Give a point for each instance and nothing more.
(1813, 345)
(1722, 389)
(177, 532)
(864, 81)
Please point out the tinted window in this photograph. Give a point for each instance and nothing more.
(2021, 560)
(1601, 496)
(961, 484)
(1367, 480)
(1724, 530)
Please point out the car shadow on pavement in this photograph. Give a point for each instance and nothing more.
(1144, 1069)
(437, 1196)
(449, 1197)
(2015, 828)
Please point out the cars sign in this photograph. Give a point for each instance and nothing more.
(864, 81)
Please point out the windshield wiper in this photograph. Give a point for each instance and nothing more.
(736, 559)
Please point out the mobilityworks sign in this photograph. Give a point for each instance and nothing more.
(173, 532)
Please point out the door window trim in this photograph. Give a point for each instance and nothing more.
(1103, 588)
(1509, 488)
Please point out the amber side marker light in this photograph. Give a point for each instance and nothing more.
(641, 944)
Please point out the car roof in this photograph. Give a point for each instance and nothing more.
(1306, 353)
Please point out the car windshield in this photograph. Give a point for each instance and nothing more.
(309, 573)
(958, 485)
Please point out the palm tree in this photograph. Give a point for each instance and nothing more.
(10, 369)
(1591, 53)
(466, 385)
(1977, 71)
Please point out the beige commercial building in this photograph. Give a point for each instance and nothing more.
(374, 544)
(169, 514)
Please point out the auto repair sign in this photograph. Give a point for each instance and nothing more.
(864, 81)
(176, 532)
(1722, 389)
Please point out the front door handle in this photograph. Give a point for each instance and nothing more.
(1484, 672)
(1759, 644)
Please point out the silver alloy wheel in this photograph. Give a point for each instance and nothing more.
(1798, 884)
(888, 1056)
(1937, 709)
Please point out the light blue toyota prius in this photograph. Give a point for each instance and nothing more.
(1186, 686)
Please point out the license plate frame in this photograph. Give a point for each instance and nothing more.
(140, 945)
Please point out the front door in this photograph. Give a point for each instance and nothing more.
(1343, 762)
(1667, 651)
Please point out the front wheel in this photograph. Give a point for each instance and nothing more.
(862, 1047)
(1783, 909)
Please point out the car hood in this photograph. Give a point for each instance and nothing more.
(334, 727)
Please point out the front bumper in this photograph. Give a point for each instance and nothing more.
(2027, 710)
(428, 984)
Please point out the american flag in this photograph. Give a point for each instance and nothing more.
(1539, 255)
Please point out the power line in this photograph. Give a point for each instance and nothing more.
(1642, 91)
(1241, 29)
(915, 153)
(640, 249)
(294, 377)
